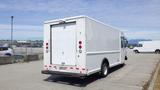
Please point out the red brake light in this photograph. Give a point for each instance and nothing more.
(46, 45)
(71, 67)
(83, 69)
(80, 42)
(80, 46)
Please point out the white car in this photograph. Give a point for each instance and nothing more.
(6, 52)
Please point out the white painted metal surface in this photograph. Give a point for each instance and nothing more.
(80, 44)
(64, 44)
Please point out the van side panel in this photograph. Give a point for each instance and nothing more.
(101, 42)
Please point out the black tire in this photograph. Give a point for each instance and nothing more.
(8, 54)
(136, 51)
(157, 51)
(126, 58)
(104, 69)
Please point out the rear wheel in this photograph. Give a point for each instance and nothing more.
(8, 54)
(104, 69)
(126, 58)
(136, 51)
(157, 51)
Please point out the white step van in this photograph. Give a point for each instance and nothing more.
(80, 46)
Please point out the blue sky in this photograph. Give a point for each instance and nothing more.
(137, 18)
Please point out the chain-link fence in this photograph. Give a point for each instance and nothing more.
(23, 50)
(22, 54)
(27, 50)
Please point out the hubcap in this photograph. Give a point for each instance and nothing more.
(157, 52)
(105, 70)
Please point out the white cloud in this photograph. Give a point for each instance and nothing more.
(137, 18)
(146, 34)
(21, 31)
(20, 27)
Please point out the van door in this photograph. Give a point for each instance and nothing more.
(63, 40)
(123, 48)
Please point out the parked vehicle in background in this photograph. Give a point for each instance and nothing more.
(148, 46)
(80, 46)
(5, 52)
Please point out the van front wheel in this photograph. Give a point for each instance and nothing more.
(104, 70)
(157, 51)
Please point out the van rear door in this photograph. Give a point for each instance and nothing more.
(63, 43)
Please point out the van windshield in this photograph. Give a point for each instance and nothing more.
(140, 45)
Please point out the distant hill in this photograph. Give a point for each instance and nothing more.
(135, 41)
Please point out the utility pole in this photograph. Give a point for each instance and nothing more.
(11, 31)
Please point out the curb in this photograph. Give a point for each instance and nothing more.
(150, 84)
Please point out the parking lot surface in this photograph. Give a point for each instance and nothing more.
(132, 76)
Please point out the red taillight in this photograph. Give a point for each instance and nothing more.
(46, 47)
(71, 67)
(80, 46)
(80, 42)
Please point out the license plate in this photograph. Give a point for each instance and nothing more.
(62, 68)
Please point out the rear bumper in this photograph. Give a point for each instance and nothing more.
(63, 73)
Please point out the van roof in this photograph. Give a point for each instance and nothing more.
(80, 16)
(63, 19)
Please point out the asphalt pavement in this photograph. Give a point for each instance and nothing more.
(134, 75)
